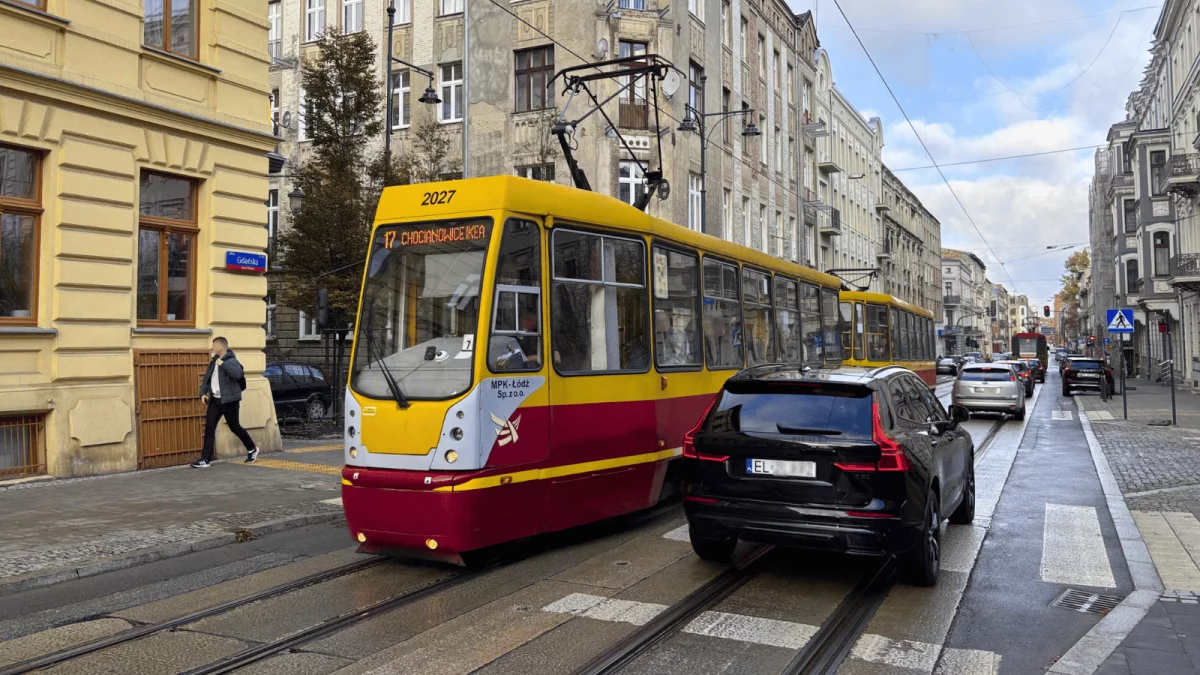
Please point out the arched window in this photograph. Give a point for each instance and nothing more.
(1162, 254)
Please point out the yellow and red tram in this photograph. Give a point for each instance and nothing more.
(529, 356)
(884, 330)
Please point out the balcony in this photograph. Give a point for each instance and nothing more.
(633, 115)
(951, 300)
(826, 164)
(1184, 175)
(884, 252)
(882, 208)
(1185, 271)
(810, 207)
(1121, 180)
(830, 222)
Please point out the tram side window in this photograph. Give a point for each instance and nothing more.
(598, 300)
(895, 324)
(756, 308)
(516, 341)
(676, 308)
(833, 326)
(860, 341)
(927, 335)
(910, 337)
(722, 316)
(877, 333)
(846, 325)
(810, 320)
(902, 332)
(788, 327)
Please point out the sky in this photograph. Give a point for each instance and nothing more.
(982, 79)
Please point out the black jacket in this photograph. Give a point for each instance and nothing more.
(232, 378)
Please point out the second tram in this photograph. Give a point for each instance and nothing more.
(883, 330)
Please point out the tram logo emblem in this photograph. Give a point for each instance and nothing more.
(506, 430)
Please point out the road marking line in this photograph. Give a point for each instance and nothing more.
(921, 656)
(1073, 550)
(679, 534)
(1062, 415)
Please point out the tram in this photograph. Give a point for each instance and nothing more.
(1031, 346)
(884, 330)
(529, 356)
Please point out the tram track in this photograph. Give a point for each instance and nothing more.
(144, 631)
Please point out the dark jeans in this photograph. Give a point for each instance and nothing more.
(217, 410)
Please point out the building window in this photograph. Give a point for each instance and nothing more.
(761, 232)
(632, 4)
(762, 56)
(403, 12)
(725, 100)
(1158, 172)
(308, 329)
(272, 306)
(791, 158)
(795, 234)
(742, 37)
(1131, 276)
(695, 208)
(1162, 254)
(726, 27)
(401, 100)
(275, 111)
(534, 68)
(166, 250)
(778, 150)
(451, 86)
(1130, 216)
(171, 25)
(696, 87)
(273, 29)
(631, 184)
(352, 16)
(696, 7)
(451, 7)
(20, 209)
(775, 68)
(764, 150)
(272, 225)
(314, 19)
(536, 172)
(745, 221)
(726, 218)
(745, 116)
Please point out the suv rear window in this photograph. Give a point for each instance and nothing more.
(986, 375)
(810, 411)
(1076, 364)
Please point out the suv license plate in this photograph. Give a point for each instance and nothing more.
(770, 467)
(1088, 375)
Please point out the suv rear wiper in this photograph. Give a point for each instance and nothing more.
(394, 388)
(807, 431)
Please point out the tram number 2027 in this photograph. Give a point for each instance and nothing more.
(434, 198)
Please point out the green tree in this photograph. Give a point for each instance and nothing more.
(341, 180)
(1070, 323)
(426, 156)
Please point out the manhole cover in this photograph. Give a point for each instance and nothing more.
(1082, 601)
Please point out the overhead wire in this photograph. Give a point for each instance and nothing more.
(1009, 26)
(913, 127)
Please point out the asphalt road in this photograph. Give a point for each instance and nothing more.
(560, 601)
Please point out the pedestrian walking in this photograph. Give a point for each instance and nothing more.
(221, 392)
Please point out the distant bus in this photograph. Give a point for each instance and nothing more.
(1031, 346)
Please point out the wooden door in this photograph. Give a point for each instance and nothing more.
(169, 412)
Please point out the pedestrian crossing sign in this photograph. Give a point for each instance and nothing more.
(1120, 320)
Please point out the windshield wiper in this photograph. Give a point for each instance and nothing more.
(398, 395)
(807, 431)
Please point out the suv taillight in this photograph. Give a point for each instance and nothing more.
(891, 454)
(689, 439)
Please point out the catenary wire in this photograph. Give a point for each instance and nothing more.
(1008, 26)
(913, 127)
(1000, 159)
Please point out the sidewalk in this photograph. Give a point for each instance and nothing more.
(57, 530)
(1157, 469)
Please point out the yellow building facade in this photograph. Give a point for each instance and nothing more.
(133, 141)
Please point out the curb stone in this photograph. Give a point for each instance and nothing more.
(43, 578)
(1091, 651)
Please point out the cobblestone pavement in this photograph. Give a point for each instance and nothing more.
(60, 524)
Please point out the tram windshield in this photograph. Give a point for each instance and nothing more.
(420, 310)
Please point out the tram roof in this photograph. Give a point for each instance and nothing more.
(885, 299)
(565, 203)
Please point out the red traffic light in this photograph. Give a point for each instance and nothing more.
(1046, 310)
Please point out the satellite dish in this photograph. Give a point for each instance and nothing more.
(664, 189)
(671, 82)
(287, 119)
(601, 48)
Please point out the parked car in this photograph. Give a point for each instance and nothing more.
(1023, 373)
(299, 390)
(1085, 373)
(948, 366)
(990, 387)
(859, 461)
(1038, 370)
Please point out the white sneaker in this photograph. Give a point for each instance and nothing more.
(201, 465)
(251, 456)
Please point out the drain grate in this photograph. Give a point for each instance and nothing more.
(1082, 601)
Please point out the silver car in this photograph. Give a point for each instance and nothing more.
(990, 387)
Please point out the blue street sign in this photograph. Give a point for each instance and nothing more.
(1120, 320)
(239, 261)
(1107, 341)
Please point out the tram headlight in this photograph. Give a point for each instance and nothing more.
(431, 543)
(353, 453)
(457, 433)
(361, 537)
(451, 456)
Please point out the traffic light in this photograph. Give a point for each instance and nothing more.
(1046, 311)
(1091, 340)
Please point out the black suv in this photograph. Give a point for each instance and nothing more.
(1084, 373)
(860, 461)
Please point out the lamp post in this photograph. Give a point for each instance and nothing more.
(430, 96)
(694, 120)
